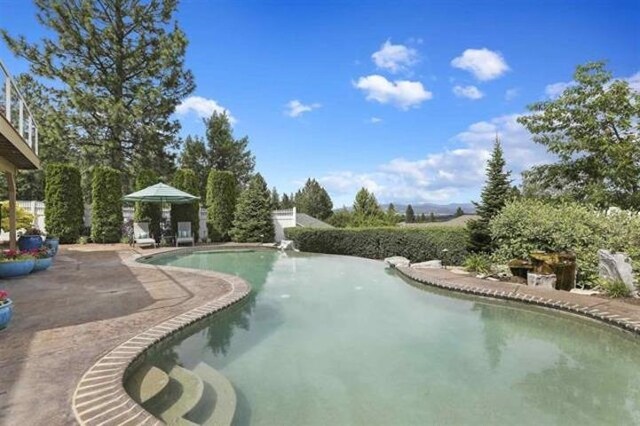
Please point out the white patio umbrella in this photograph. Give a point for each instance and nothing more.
(161, 193)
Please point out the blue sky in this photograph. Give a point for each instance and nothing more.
(402, 97)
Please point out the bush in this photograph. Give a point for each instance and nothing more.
(252, 221)
(24, 219)
(186, 180)
(64, 209)
(221, 204)
(148, 212)
(527, 225)
(478, 263)
(614, 288)
(106, 215)
(417, 245)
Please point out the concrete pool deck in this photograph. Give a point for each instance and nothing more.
(95, 298)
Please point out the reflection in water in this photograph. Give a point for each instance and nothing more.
(579, 372)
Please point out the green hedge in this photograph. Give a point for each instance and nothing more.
(416, 245)
(106, 215)
(221, 204)
(186, 180)
(148, 212)
(64, 209)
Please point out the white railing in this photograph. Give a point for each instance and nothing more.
(15, 109)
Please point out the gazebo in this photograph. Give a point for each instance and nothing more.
(161, 193)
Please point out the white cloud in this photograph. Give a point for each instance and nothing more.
(202, 107)
(511, 94)
(394, 57)
(375, 120)
(634, 81)
(453, 174)
(295, 108)
(554, 90)
(469, 92)
(483, 63)
(402, 93)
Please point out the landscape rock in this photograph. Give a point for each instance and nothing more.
(584, 292)
(459, 271)
(547, 281)
(397, 261)
(286, 245)
(430, 264)
(616, 267)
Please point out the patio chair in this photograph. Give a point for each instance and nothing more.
(141, 235)
(184, 234)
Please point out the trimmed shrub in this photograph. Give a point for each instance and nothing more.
(221, 204)
(64, 209)
(106, 215)
(148, 212)
(529, 224)
(186, 180)
(415, 244)
(252, 221)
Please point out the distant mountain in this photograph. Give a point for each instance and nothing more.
(437, 209)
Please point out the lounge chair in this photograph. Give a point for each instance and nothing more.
(141, 235)
(184, 234)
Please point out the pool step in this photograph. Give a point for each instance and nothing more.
(225, 396)
(191, 387)
(147, 382)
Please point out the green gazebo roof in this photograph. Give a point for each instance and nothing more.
(161, 193)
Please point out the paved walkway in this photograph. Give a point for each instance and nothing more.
(66, 318)
(615, 312)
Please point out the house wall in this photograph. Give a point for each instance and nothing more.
(283, 219)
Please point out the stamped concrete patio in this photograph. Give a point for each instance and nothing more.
(94, 298)
(66, 318)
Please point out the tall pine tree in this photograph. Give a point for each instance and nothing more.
(118, 67)
(496, 192)
(194, 157)
(409, 215)
(253, 222)
(314, 200)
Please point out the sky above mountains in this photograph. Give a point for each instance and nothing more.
(404, 98)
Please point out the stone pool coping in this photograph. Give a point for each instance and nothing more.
(100, 397)
(618, 314)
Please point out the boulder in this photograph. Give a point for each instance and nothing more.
(286, 245)
(430, 264)
(547, 281)
(397, 261)
(616, 267)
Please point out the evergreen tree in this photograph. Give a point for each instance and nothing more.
(392, 214)
(253, 221)
(409, 215)
(495, 194)
(314, 200)
(106, 208)
(460, 212)
(423, 218)
(366, 210)
(186, 180)
(148, 212)
(222, 190)
(342, 218)
(432, 217)
(226, 153)
(286, 202)
(118, 66)
(194, 157)
(275, 199)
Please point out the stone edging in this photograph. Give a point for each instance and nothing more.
(100, 397)
(593, 313)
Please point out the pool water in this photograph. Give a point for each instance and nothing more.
(329, 340)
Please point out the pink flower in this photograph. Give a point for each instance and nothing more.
(3, 295)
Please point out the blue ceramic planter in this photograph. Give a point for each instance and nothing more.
(6, 312)
(16, 268)
(52, 243)
(29, 242)
(42, 264)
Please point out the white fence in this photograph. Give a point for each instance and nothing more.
(36, 208)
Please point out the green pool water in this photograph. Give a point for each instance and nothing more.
(328, 340)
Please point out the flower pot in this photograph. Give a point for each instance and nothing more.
(42, 264)
(52, 243)
(16, 268)
(29, 242)
(6, 312)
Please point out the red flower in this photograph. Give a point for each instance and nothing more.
(3, 295)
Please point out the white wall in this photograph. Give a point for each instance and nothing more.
(283, 219)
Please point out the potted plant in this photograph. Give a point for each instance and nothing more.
(6, 309)
(52, 243)
(30, 240)
(14, 263)
(43, 257)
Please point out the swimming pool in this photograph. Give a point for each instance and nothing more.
(331, 340)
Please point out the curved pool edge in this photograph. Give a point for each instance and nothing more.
(586, 312)
(100, 396)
